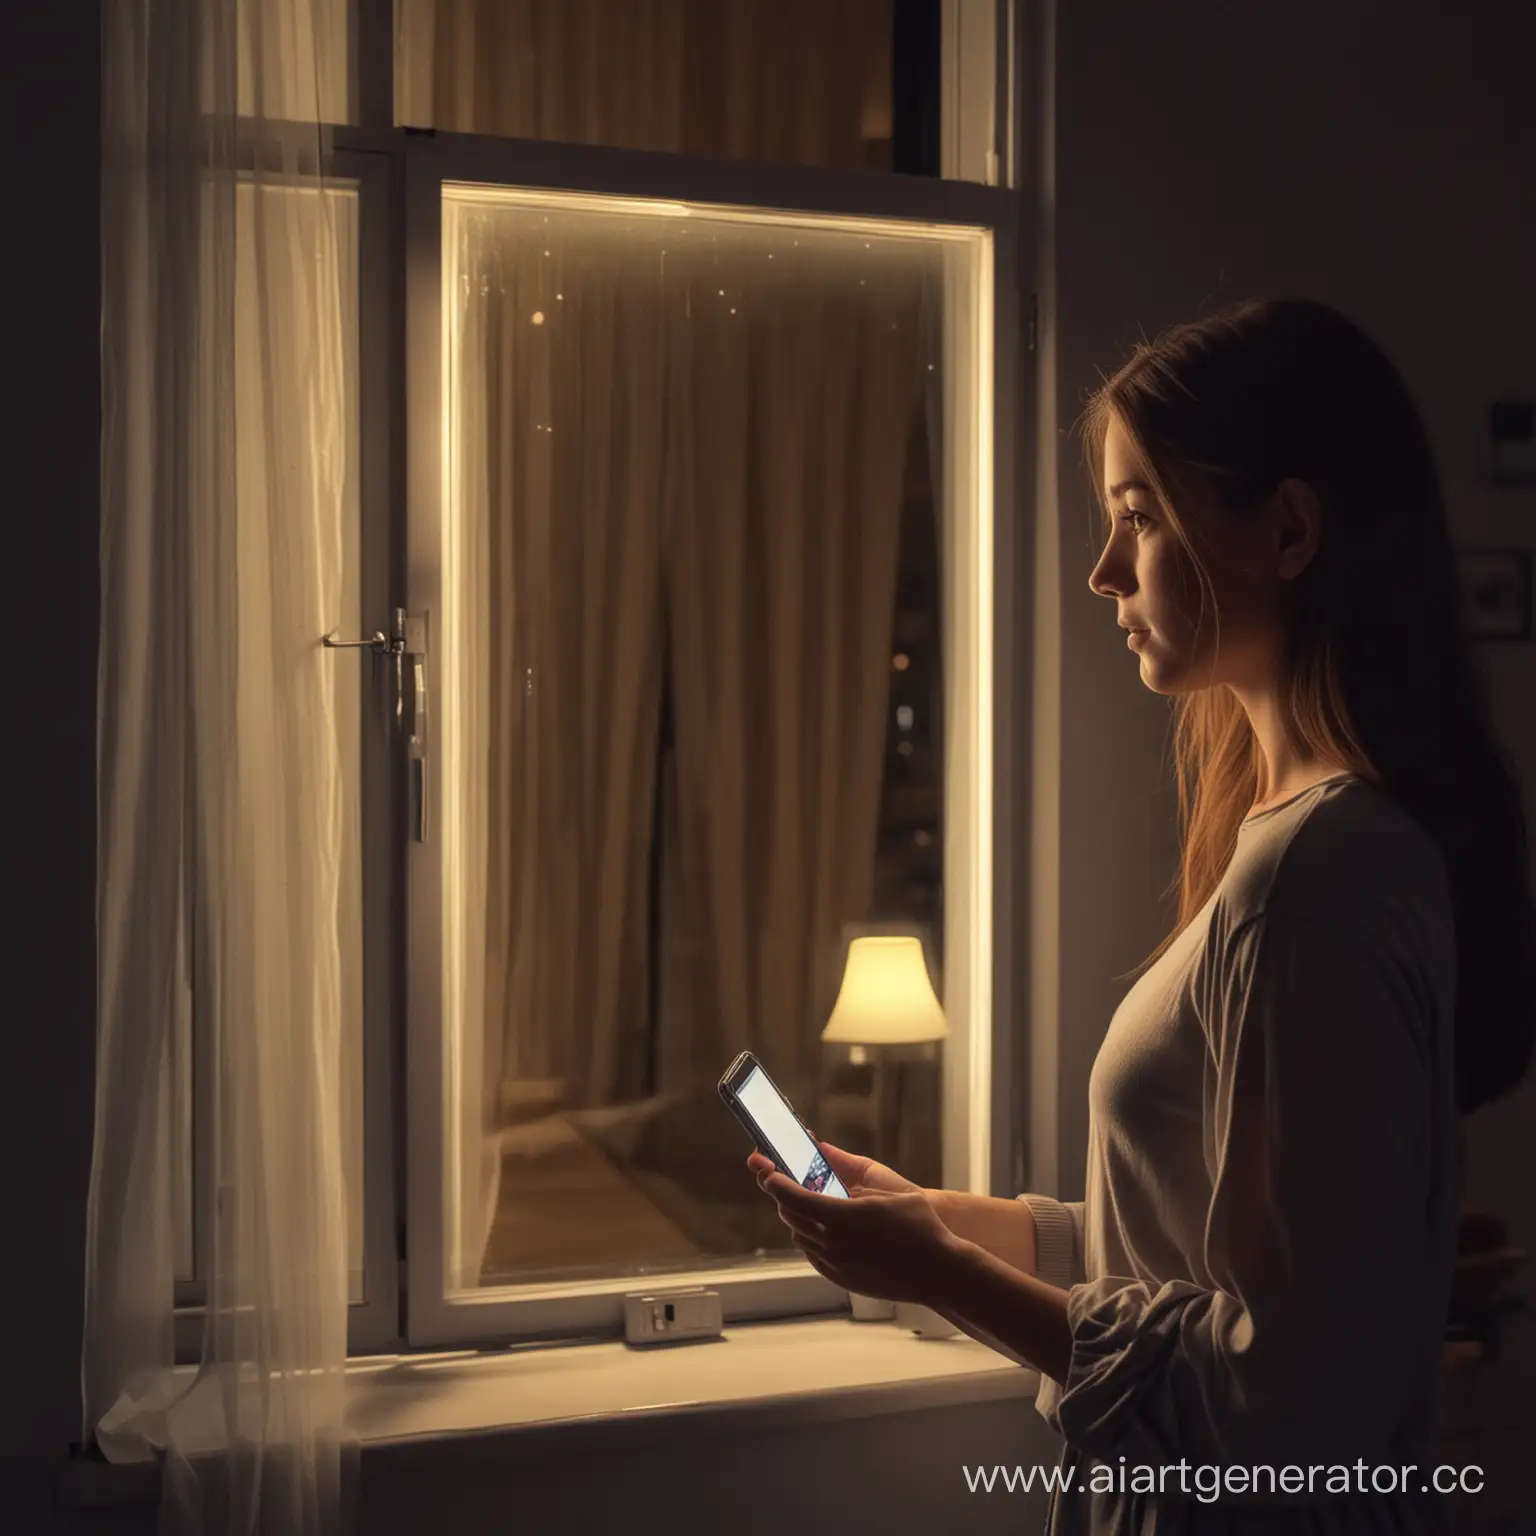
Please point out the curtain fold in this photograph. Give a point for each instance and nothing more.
(557, 336)
(226, 918)
(787, 464)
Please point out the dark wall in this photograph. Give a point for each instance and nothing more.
(49, 97)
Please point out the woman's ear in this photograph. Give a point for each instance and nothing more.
(1297, 523)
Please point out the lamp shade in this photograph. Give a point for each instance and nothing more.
(886, 997)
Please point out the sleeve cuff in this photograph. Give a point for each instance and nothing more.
(1119, 1394)
(1056, 1260)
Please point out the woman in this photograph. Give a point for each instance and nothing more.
(1260, 1273)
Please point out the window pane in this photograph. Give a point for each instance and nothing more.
(692, 724)
(797, 81)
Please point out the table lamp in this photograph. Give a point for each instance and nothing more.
(886, 997)
(886, 1008)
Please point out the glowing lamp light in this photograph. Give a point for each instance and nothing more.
(886, 997)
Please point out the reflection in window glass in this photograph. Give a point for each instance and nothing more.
(805, 82)
(690, 519)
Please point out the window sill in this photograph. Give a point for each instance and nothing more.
(432, 1410)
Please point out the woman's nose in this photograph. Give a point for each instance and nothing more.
(1107, 579)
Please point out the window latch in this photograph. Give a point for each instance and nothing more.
(405, 646)
(378, 642)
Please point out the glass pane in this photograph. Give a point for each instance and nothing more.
(693, 724)
(796, 81)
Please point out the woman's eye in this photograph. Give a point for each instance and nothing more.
(1135, 519)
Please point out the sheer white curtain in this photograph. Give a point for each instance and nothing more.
(225, 918)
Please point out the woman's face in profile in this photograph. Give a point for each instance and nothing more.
(1150, 576)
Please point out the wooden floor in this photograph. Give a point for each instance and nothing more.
(565, 1206)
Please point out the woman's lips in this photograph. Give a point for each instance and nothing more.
(1136, 636)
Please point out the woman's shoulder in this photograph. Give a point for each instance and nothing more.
(1353, 856)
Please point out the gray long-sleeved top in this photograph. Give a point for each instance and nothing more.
(1260, 1273)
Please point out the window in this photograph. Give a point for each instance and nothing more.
(675, 493)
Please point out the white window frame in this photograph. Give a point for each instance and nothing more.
(398, 175)
(980, 870)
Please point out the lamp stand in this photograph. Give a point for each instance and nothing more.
(890, 1090)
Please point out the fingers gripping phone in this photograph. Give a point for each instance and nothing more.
(770, 1120)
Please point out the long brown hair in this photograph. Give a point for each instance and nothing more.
(1378, 672)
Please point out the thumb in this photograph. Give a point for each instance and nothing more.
(844, 1164)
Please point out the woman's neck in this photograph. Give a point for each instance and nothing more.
(1286, 767)
(1318, 773)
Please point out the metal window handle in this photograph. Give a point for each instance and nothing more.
(378, 641)
(407, 638)
(406, 647)
(383, 646)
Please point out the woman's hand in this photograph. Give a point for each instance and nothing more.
(887, 1243)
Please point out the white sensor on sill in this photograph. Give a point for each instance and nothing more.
(664, 1317)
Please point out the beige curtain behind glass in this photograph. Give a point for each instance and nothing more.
(563, 339)
(558, 412)
(801, 81)
(797, 392)
(679, 451)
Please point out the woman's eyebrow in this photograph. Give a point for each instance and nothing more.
(1117, 491)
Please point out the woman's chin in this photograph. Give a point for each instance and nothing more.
(1160, 677)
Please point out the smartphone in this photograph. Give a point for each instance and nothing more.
(770, 1120)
